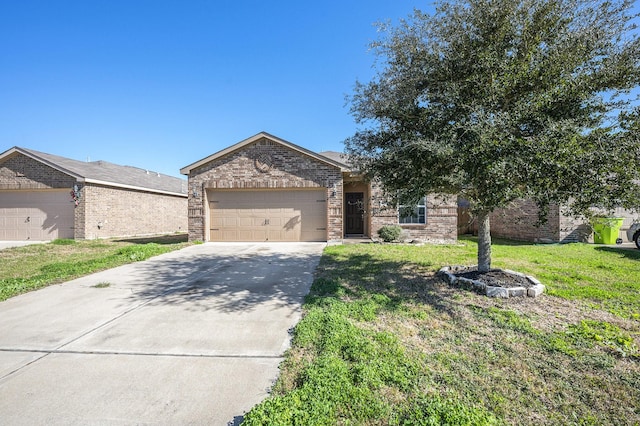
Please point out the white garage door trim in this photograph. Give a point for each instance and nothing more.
(36, 215)
(268, 215)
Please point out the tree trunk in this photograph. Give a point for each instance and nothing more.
(484, 242)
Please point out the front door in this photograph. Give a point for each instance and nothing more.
(355, 213)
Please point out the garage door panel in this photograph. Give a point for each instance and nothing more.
(282, 215)
(36, 215)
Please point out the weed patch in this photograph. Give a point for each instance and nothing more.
(588, 333)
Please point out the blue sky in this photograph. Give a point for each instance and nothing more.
(162, 84)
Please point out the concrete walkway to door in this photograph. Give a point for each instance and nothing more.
(189, 337)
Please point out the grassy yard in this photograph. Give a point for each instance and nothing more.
(385, 341)
(28, 268)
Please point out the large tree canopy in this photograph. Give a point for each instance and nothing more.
(499, 100)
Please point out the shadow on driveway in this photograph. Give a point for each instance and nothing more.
(238, 280)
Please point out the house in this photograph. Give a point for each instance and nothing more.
(44, 197)
(519, 222)
(267, 189)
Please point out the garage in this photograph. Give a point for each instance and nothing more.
(268, 215)
(36, 215)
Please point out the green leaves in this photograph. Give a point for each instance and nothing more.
(497, 100)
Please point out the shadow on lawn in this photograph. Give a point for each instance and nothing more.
(497, 241)
(629, 253)
(363, 275)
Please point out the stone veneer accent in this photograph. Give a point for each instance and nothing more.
(120, 212)
(288, 169)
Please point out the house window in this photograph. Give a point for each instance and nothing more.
(413, 214)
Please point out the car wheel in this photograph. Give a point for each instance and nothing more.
(636, 239)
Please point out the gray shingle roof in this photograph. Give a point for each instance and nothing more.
(338, 157)
(105, 172)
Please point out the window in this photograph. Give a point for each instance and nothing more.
(413, 214)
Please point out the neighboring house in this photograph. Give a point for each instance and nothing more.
(267, 189)
(518, 222)
(44, 197)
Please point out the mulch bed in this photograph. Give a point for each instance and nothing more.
(496, 278)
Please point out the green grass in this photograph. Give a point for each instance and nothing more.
(23, 269)
(383, 340)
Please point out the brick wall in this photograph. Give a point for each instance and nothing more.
(578, 229)
(118, 212)
(441, 221)
(264, 165)
(573, 230)
(79, 228)
(518, 223)
(21, 172)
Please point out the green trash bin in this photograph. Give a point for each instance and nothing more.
(606, 229)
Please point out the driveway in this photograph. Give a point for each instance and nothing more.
(189, 337)
(9, 244)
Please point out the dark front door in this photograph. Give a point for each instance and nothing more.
(355, 213)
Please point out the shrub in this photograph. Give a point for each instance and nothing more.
(390, 233)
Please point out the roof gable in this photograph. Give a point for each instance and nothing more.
(103, 172)
(262, 135)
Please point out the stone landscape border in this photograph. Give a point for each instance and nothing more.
(536, 289)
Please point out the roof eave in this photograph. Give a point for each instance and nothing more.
(137, 188)
(187, 170)
(17, 149)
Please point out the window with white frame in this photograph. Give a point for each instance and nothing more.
(413, 214)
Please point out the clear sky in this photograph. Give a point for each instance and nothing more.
(160, 84)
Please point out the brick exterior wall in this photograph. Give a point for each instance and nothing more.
(441, 221)
(21, 172)
(284, 168)
(121, 212)
(573, 230)
(518, 223)
(118, 212)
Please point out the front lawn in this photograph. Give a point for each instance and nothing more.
(31, 267)
(385, 341)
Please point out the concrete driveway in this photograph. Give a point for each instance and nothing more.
(10, 244)
(189, 337)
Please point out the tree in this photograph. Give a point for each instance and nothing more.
(500, 100)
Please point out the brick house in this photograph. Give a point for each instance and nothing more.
(44, 197)
(518, 222)
(267, 189)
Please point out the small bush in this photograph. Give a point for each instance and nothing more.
(390, 233)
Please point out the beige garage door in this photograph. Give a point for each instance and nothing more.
(292, 215)
(36, 215)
